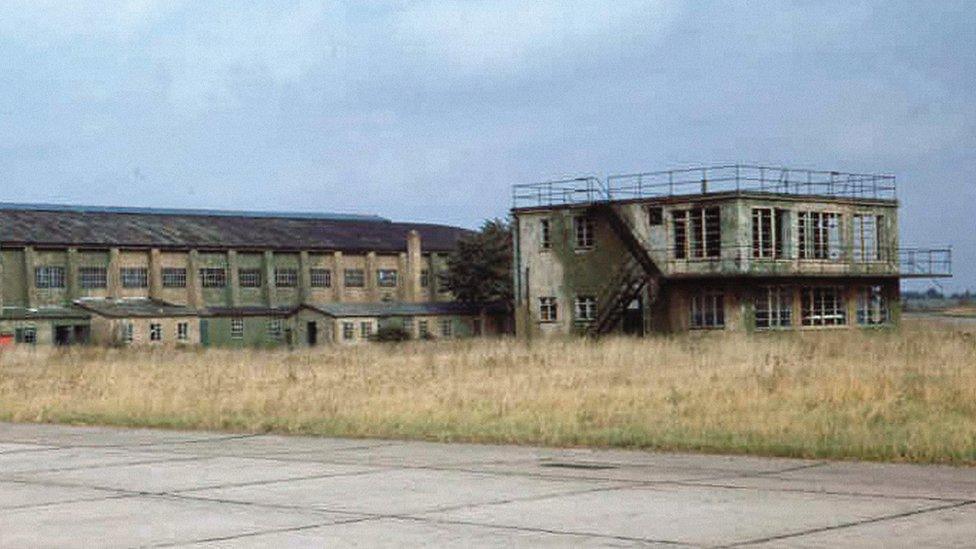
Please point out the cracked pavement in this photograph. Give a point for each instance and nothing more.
(64, 486)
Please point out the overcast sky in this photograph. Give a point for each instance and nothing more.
(430, 111)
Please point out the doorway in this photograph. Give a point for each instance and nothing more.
(62, 335)
(312, 331)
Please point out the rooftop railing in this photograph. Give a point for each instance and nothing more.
(705, 180)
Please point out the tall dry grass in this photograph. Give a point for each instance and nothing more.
(893, 395)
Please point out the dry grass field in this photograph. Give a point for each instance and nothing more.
(906, 395)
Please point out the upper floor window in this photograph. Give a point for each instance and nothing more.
(134, 277)
(320, 278)
(872, 306)
(174, 277)
(49, 277)
(548, 311)
(286, 277)
(823, 306)
(545, 238)
(585, 308)
(249, 278)
(354, 278)
(867, 237)
(768, 228)
(818, 235)
(655, 216)
(584, 231)
(386, 278)
(708, 309)
(774, 307)
(697, 233)
(93, 277)
(213, 278)
(424, 278)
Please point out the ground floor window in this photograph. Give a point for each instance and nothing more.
(275, 330)
(348, 330)
(585, 308)
(548, 311)
(128, 332)
(365, 329)
(408, 325)
(447, 327)
(872, 307)
(155, 332)
(183, 331)
(774, 307)
(237, 328)
(708, 309)
(26, 335)
(823, 306)
(423, 328)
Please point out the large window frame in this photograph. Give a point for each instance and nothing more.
(286, 277)
(823, 306)
(584, 308)
(872, 306)
(820, 235)
(387, 278)
(868, 232)
(707, 310)
(320, 278)
(249, 278)
(134, 277)
(49, 277)
(697, 233)
(354, 278)
(774, 307)
(174, 277)
(92, 278)
(584, 230)
(213, 277)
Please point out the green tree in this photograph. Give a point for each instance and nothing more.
(480, 269)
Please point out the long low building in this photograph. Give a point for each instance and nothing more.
(126, 276)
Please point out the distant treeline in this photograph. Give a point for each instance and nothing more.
(967, 297)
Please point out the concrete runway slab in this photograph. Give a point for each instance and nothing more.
(66, 486)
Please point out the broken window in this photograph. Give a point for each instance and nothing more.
(872, 307)
(697, 233)
(655, 216)
(867, 237)
(547, 309)
(823, 306)
(819, 235)
(584, 232)
(768, 228)
(774, 307)
(386, 278)
(707, 310)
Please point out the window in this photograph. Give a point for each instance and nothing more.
(447, 327)
(545, 237)
(183, 331)
(174, 277)
(872, 307)
(128, 332)
(93, 277)
(408, 324)
(354, 278)
(774, 307)
(548, 312)
(249, 278)
(386, 278)
(49, 277)
(867, 237)
(237, 328)
(348, 330)
(286, 277)
(134, 277)
(823, 306)
(27, 335)
(155, 332)
(275, 330)
(768, 225)
(365, 329)
(213, 278)
(584, 231)
(424, 278)
(585, 308)
(708, 310)
(697, 233)
(818, 234)
(423, 328)
(320, 278)
(655, 216)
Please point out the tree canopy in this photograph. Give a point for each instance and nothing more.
(480, 269)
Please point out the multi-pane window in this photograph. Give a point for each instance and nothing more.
(237, 328)
(708, 309)
(423, 328)
(386, 278)
(93, 277)
(49, 277)
(320, 278)
(545, 236)
(447, 327)
(249, 278)
(286, 277)
(867, 237)
(585, 308)
(348, 330)
(275, 330)
(128, 332)
(697, 233)
(774, 307)
(823, 306)
(768, 225)
(183, 331)
(155, 332)
(134, 277)
(27, 334)
(354, 278)
(548, 311)
(583, 227)
(213, 278)
(365, 329)
(408, 324)
(872, 307)
(174, 277)
(424, 278)
(818, 235)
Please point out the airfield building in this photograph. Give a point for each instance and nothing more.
(119, 276)
(717, 248)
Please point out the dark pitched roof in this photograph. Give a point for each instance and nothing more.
(133, 308)
(82, 226)
(44, 313)
(396, 308)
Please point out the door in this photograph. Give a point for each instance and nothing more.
(313, 334)
(62, 335)
(81, 334)
(204, 332)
